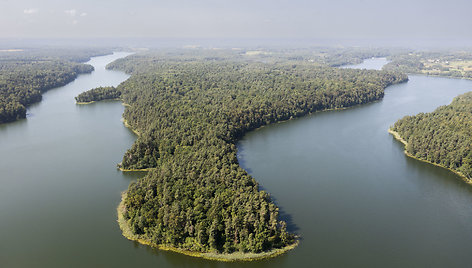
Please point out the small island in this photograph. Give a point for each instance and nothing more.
(442, 138)
(98, 94)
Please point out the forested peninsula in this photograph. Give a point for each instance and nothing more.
(189, 111)
(443, 137)
(25, 75)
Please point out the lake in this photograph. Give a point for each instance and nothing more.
(370, 64)
(347, 188)
(342, 182)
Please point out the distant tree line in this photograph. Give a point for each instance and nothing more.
(77, 54)
(25, 75)
(190, 112)
(21, 84)
(317, 56)
(442, 137)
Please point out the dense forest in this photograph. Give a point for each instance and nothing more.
(320, 56)
(77, 54)
(189, 113)
(443, 137)
(98, 94)
(25, 75)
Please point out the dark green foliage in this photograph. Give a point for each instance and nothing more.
(190, 115)
(21, 83)
(25, 75)
(442, 137)
(98, 94)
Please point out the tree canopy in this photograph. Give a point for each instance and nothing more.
(25, 75)
(98, 94)
(443, 137)
(190, 112)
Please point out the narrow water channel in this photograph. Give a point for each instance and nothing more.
(59, 186)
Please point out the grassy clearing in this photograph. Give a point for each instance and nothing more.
(444, 67)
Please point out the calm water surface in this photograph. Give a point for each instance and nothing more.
(352, 194)
(342, 182)
(371, 64)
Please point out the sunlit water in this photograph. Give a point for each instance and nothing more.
(342, 182)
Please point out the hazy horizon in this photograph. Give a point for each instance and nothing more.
(25, 43)
(338, 22)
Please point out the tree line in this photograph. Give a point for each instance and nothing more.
(25, 75)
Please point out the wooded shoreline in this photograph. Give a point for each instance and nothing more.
(236, 256)
(397, 136)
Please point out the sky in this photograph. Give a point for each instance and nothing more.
(233, 19)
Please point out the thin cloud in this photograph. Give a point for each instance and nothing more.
(71, 12)
(30, 11)
(83, 14)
